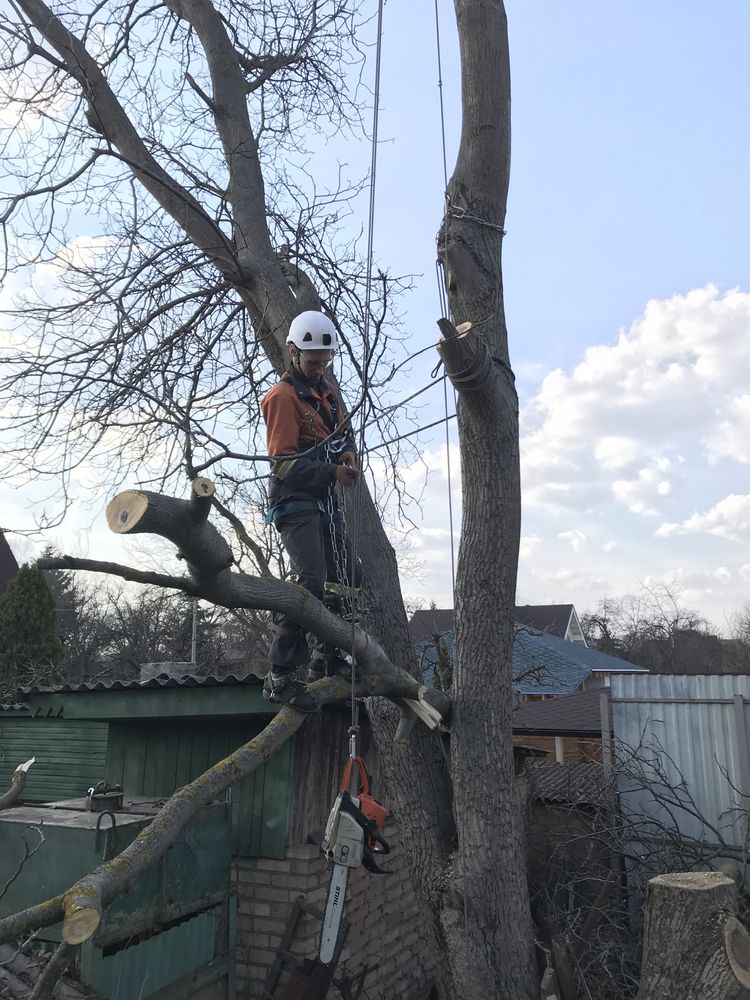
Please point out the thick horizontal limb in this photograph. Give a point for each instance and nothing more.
(21, 924)
(240, 590)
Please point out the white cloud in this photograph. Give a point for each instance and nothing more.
(530, 546)
(576, 538)
(636, 493)
(731, 437)
(729, 518)
(616, 452)
(670, 390)
(652, 429)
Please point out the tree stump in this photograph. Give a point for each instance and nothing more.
(694, 947)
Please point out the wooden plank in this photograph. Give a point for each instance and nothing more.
(65, 768)
(274, 818)
(115, 769)
(253, 815)
(199, 751)
(182, 767)
(135, 759)
(170, 733)
(157, 748)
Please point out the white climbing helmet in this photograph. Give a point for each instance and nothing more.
(312, 331)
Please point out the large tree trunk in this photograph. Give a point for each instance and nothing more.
(497, 939)
(477, 894)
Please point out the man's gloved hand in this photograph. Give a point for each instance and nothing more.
(346, 475)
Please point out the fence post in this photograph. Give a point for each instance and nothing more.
(743, 751)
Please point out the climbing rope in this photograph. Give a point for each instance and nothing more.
(354, 728)
(445, 306)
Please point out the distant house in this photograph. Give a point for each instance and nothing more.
(8, 564)
(548, 667)
(545, 664)
(568, 730)
(560, 620)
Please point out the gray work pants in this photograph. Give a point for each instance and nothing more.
(309, 537)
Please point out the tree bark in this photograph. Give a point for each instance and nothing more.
(45, 984)
(694, 947)
(490, 935)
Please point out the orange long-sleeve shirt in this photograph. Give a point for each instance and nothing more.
(298, 416)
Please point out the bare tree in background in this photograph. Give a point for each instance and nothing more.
(163, 198)
(656, 629)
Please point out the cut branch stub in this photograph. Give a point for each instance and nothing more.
(466, 359)
(183, 522)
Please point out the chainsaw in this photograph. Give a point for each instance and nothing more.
(352, 838)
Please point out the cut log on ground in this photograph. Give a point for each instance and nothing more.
(694, 947)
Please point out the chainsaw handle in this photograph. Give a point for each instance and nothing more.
(374, 839)
(346, 778)
(379, 845)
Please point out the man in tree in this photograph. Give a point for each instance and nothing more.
(305, 421)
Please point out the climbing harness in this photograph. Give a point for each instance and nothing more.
(354, 835)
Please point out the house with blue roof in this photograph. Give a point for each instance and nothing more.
(544, 665)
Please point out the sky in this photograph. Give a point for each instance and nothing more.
(627, 291)
(627, 294)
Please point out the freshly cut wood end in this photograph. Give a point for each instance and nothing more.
(429, 715)
(451, 332)
(692, 881)
(737, 945)
(80, 926)
(203, 487)
(125, 511)
(26, 766)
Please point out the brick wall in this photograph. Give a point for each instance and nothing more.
(386, 929)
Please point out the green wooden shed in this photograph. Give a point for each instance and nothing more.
(151, 738)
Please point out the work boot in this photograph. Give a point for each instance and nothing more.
(335, 663)
(285, 689)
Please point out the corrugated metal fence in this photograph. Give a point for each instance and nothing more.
(693, 731)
